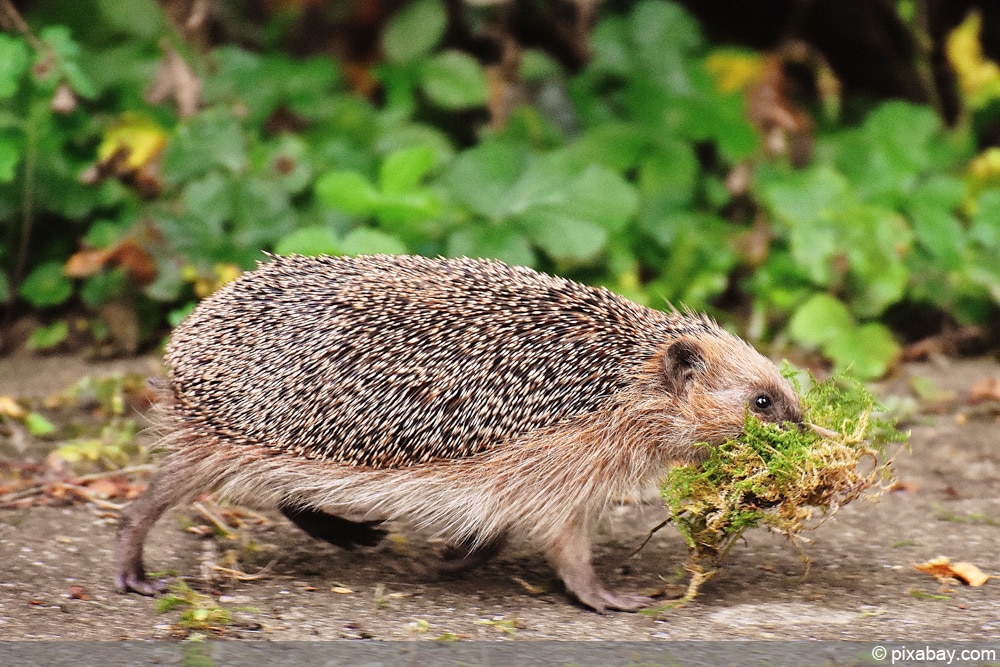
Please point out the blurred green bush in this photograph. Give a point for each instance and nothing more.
(620, 174)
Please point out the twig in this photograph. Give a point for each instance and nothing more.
(144, 467)
(214, 519)
(652, 531)
(239, 575)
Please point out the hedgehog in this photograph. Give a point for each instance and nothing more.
(469, 399)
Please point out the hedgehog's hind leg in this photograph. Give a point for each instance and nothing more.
(334, 529)
(166, 489)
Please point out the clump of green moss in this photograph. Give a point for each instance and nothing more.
(780, 476)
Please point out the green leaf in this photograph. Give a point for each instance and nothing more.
(564, 237)
(603, 197)
(347, 191)
(308, 241)
(46, 338)
(803, 196)
(14, 61)
(491, 241)
(939, 233)
(536, 65)
(38, 425)
(211, 139)
(482, 177)
(142, 19)
(454, 80)
(612, 53)
(10, 156)
(365, 241)
(985, 228)
(414, 30)
(867, 351)
(661, 26)
(543, 182)
(880, 289)
(68, 54)
(403, 170)
(286, 161)
(903, 130)
(820, 320)
(396, 136)
(100, 288)
(414, 206)
(210, 200)
(46, 285)
(617, 146)
(670, 171)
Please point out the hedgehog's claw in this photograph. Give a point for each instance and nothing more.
(134, 580)
(601, 600)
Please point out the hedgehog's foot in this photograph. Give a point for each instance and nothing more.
(570, 555)
(135, 580)
(466, 555)
(337, 531)
(601, 599)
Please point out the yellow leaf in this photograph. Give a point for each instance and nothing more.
(133, 139)
(10, 408)
(978, 76)
(734, 70)
(205, 285)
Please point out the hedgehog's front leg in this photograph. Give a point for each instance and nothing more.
(570, 556)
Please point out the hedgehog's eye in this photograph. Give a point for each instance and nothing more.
(763, 403)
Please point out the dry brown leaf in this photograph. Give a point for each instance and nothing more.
(985, 389)
(138, 263)
(108, 487)
(942, 568)
(85, 263)
(530, 588)
(901, 486)
(175, 79)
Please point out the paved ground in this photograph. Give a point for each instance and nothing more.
(861, 586)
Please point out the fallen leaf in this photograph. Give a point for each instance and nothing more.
(77, 592)
(108, 487)
(985, 389)
(942, 568)
(343, 590)
(10, 408)
(901, 486)
(531, 588)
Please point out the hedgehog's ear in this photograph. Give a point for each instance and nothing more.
(682, 361)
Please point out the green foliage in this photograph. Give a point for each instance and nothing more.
(618, 175)
(46, 286)
(48, 337)
(199, 611)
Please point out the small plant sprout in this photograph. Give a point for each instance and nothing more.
(787, 478)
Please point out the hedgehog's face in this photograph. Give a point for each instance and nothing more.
(716, 380)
